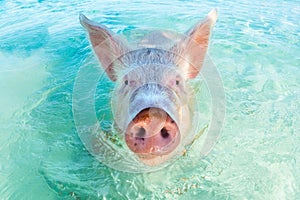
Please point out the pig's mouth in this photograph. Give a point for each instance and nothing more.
(152, 133)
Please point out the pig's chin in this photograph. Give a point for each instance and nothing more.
(152, 134)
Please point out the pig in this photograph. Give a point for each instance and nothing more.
(152, 100)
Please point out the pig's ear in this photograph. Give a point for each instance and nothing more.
(191, 50)
(107, 46)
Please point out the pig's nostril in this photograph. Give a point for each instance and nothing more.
(164, 133)
(141, 132)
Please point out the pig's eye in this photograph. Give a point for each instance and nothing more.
(126, 82)
(177, 82)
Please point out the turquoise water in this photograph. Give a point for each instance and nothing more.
(255, 46)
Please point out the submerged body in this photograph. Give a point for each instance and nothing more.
(152, 103)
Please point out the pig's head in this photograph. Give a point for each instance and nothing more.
(152, 101)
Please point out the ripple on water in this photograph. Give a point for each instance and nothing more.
(255, 47)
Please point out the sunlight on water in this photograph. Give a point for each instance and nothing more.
(255, 46)
(14, 74)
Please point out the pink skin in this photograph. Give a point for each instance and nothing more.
(152, 132)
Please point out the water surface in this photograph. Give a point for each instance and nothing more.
(255, 46)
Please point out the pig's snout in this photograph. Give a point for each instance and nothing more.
(152, 132)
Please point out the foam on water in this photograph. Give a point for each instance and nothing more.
(255, 46)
